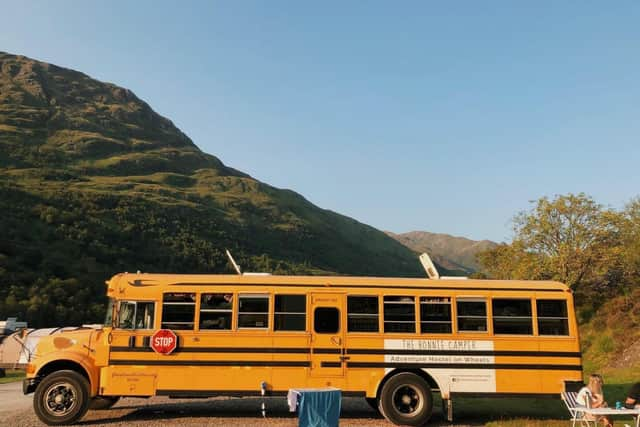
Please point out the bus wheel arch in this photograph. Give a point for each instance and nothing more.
(62, 365)
(405, 396)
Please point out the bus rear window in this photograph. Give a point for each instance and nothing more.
(552, 317)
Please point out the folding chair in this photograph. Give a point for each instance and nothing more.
(576, 410)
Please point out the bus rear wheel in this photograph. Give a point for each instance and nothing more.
(405, 399)
(61, 398)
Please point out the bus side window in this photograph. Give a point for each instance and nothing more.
(362, 314)
(253, 311)
(178, 311)
(435, 315)
(552, 317)
(290, 313)
(512, 316)
(399, 314)
(472, 315)
(215, 311)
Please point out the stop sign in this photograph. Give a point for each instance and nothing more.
(164, 341)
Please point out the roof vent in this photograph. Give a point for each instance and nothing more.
(429, 267)
(233, 262)
(237, 267)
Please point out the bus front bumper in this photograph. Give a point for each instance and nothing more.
(29, 385)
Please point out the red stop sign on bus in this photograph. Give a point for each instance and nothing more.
(164, 341)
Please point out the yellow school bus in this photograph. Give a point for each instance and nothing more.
(393, 341)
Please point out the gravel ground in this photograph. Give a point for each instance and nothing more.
(162, 411)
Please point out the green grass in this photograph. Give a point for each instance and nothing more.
(522, 412)
(13, 375)
(542, 412)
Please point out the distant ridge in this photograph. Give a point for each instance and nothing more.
(453, 253)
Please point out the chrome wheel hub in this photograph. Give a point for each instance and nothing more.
(60, 399)
(408, 400)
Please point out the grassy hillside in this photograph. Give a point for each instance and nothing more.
(610, 337)
(453, 253)
(93, 181)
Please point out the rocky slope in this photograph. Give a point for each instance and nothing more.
(453, 253)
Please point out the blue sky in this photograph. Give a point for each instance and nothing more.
(448, 117)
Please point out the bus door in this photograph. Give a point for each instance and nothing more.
(327, 335)
(129, 347)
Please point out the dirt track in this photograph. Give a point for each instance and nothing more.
(16, 411)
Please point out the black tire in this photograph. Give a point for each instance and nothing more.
(61, 398)
(100, 403)
(3, 373)
(373, 402)
(405, 399)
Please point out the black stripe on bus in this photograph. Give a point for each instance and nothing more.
(465, 353)
(169, 362)
(276, 393)
(326, 351)
(362, 351)
(330, 286)
(239, 393)
(331, 364)
(518, 395)
(277, 350)
(212, 393)
(497, 366)
(132, 349)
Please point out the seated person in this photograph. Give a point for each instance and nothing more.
(591, 396)
(633, 397)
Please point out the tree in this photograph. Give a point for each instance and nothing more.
(569, 238)
(573, 234)
(512, 262)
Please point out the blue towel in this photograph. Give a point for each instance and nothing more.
(319, 408)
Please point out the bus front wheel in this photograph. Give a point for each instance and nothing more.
(405, 399)
(61, 398)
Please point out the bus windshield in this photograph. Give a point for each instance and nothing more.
(108, 319)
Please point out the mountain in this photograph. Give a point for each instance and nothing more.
(453, 253)
(93, 182)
